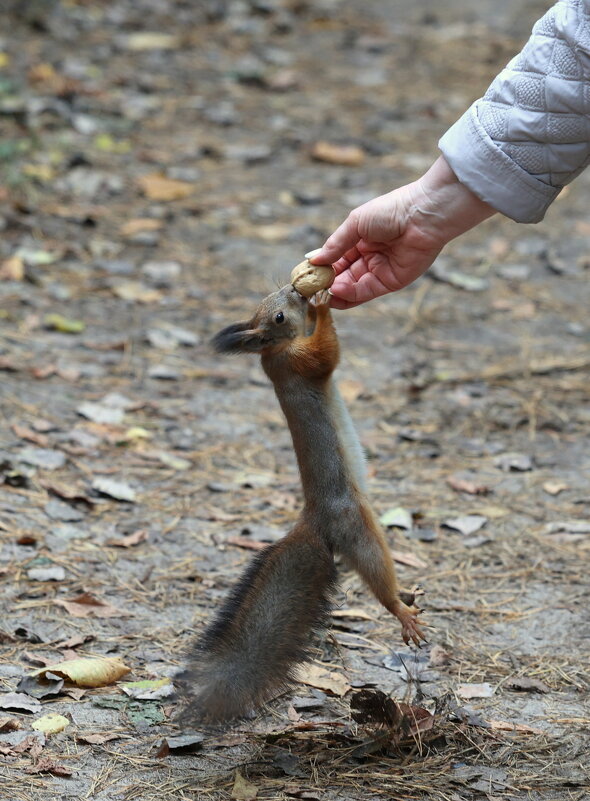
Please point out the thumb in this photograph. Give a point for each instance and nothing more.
(342, 240)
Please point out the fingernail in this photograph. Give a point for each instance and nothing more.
(313, 253)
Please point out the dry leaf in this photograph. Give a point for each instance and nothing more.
(52, 723)
(550, 487)
(96, 738)
(9, 724)
(243, 790)
(505, 725)
(464, 485)
(19, 702)
(65, 325)
(23, 432)
(87, 605)
(47, 765)
(157, 187)
(246, 542)
(12, 269)
(483, 690)
(409, 559)
(136, 291)
(352, 614)
(345, 155)
(466, 524)
(527, 684)
(87, 671)
(118, 490)
(139, 225)
(148, 40)
(138, 536)
(323, 679)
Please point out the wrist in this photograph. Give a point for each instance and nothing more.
(444, 208)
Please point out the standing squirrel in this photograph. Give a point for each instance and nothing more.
(261, 634)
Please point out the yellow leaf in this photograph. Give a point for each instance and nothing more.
(323, 679)
(147, 40)
(12, 269)
(107, 144)
(51, 723)
(137, 432)
(63, 324)
(243, 790)
(87, 671)
(42, 172)
(4, 60)
(157, 187)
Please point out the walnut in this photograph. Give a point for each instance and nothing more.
(310, 278)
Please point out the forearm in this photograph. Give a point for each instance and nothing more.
(530, 134)
(443, 207)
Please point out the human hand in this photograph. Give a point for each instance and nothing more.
(387, 243)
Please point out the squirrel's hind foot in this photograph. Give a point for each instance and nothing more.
(411, 625)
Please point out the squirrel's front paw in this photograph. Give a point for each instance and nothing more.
(321, 298)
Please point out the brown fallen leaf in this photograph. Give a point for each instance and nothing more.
(404, 720)
(243, 790)
(12, 269)
(86, 605)
(47, 765)
(9, 724)
(246, 542)
(75, 641)
(526, 684)
(32, 745)
(464, 485)
(505, 725)
(96, 738)
(157, 187)
(130, 540)
(24, 432)
(345, 155)
(323, 679)
(69, 492)
(139, 225)
(409, 559)
(88, 671)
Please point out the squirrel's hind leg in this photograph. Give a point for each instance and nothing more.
(371, 558)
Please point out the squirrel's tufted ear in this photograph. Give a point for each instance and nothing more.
(239, 338)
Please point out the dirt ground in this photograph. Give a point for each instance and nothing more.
(160, 175)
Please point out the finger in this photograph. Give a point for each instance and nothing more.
(341, 305)
(342, 240)
(365, 288)
(345, 262)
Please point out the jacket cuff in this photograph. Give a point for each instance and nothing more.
(491, 174)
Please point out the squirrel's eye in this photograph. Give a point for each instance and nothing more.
(279, 318)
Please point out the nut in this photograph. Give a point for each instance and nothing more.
(308, 278)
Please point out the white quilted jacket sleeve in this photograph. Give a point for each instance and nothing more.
(529, 135)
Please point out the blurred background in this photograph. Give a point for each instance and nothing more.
(164, 165)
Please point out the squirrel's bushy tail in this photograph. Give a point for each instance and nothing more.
(261, 634)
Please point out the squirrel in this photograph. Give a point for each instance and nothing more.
(261, 635)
